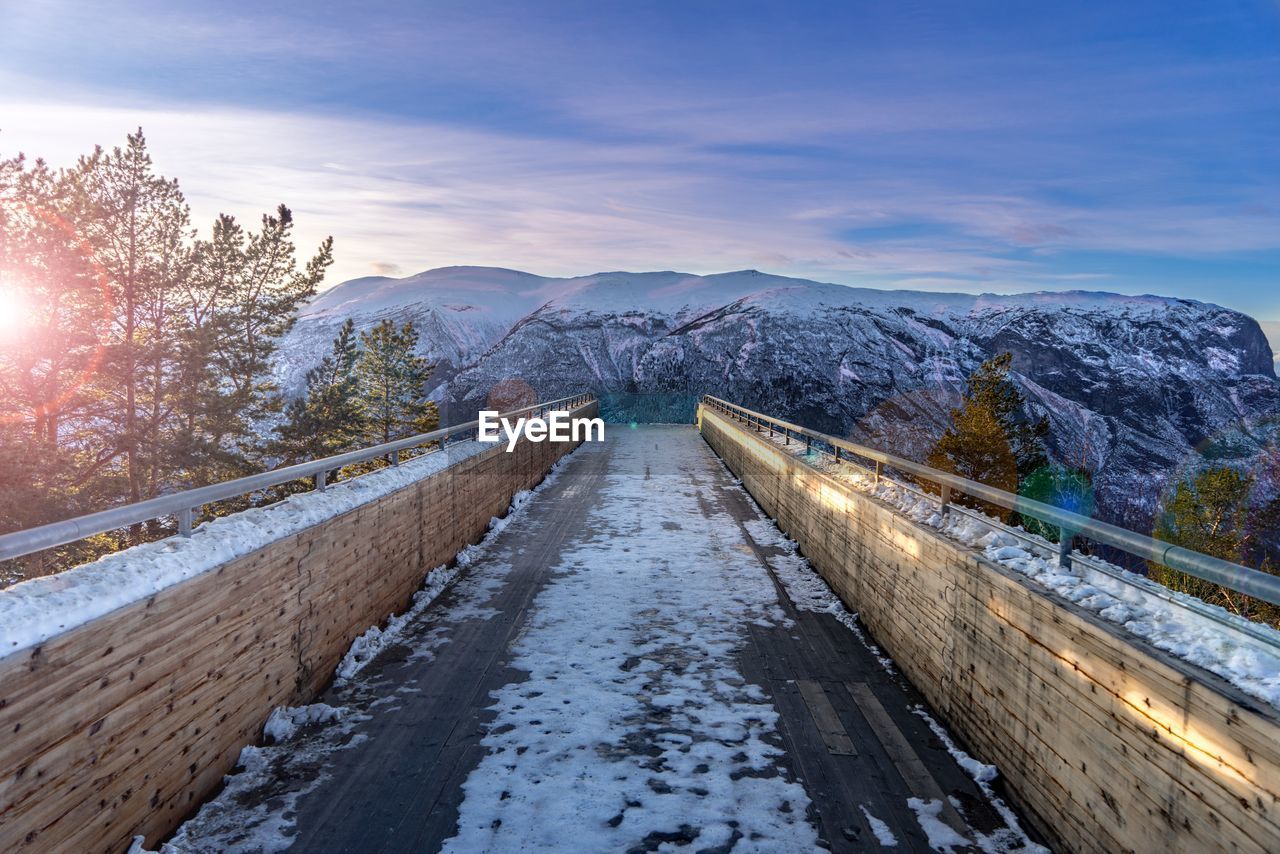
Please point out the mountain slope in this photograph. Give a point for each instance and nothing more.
(1271, 328)
(1131, 385)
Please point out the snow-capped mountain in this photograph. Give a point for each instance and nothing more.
(1132, 385)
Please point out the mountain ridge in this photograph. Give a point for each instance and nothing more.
(475, 274)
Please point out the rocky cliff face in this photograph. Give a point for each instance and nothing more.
(1132, 386)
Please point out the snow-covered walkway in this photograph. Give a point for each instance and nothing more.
(637, 661)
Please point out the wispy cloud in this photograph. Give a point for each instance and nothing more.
(927, 149)
(409, 195)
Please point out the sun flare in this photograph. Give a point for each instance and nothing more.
(15, 311)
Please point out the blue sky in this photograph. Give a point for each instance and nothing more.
(1129, 147)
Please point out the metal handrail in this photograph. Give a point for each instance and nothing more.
(182, 504)
(1242, 579)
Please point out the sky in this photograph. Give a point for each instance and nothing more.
(986, 146)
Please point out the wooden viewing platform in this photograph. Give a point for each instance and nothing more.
(731, 713)
(635, 659)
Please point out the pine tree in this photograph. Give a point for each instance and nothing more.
(138, 226)
(990, 386)
(393, 381)
(244, 293)
(51, 354)
(144, 361)
(1210, 513)
(330, 418)
(989, 440)
(975, 447)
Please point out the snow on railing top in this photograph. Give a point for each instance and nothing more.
(182, 504)
(1242, 579)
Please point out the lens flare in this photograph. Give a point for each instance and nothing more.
(27, 317)
(15, 311)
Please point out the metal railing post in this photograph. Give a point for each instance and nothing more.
(321, 477)
(395, 458)
(1065, 540)
(184, 521)
(944, 501)
(879, 470)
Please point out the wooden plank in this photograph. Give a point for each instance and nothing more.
(825, 718)
(902, 755)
